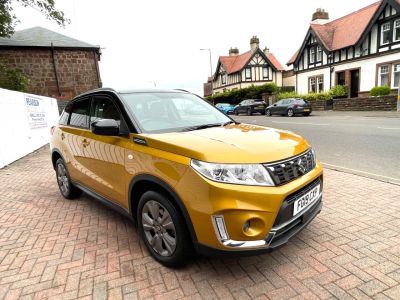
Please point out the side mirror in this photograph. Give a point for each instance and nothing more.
(105, 127)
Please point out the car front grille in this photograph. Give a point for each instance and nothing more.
(287, 170)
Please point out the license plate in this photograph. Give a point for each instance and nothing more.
(306, 109)
(306, 200)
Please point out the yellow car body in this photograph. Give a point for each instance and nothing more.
(117, 169)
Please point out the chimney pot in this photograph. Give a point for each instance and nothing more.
(320, 16)
(254, 43)
(233, 51)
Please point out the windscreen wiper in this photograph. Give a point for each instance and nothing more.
(205, 126)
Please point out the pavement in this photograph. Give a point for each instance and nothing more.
(362, 143)
(60, 249)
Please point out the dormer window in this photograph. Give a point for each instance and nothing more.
(396, 30)
(385, 33)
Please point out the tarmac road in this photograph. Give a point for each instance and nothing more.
(363, 143)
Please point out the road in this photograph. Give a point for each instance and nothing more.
(366, 144)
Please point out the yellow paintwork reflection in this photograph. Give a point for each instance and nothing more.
(108, 164)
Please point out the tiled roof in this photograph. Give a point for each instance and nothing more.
(42, 37)
(345, 31)
(235, 63)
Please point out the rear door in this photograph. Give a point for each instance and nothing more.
(104, 155)
(274, 109)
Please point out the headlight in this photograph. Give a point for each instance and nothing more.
(246, 174)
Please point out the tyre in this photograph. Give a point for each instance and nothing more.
(163, 230)
(67, 189)
(306, 114)
(236, 112)
(249, 113)
(263, 113)
(290, 112)
(268, 113)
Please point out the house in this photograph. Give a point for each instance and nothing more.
(254, 67)
(56, 65)
(360, 50)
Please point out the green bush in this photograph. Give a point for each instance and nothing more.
(338, 91)
(251, 92)
(13, 79)
(308, 97)
(380, 91)
(287, 95)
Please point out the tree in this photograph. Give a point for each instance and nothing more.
(8, 19)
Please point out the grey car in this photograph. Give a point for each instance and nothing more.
(290, 108)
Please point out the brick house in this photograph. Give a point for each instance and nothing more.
(236, 71)
(360, 50)
(56, 65)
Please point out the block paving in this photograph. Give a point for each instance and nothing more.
(59, 249)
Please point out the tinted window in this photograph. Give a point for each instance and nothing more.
(65, 115)
(300, 101)
(80, 114)
(104, 108)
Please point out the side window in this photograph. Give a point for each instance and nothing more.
(80, 114)
(65, 115)
(104, 108)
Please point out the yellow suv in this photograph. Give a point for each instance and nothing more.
(187, 174)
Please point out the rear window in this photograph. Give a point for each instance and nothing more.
(301, 101)
(80, 114)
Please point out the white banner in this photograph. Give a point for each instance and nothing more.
(36, 111)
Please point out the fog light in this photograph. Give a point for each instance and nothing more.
(246, 226)
(220, 224)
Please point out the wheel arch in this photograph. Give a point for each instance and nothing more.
(144, 182)
(56, 154)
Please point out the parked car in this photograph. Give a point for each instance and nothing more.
(250, 107)
(206, 183)
(290, 108)
(225, 108)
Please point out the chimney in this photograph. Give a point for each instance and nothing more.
(233, 51)
(254, 43)
(266, 51)
(320, 17)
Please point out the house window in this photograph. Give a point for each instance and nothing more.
(265, 73)
(316, 84)
(396, 75)
(223, 78)
(248, 73)
(319, 53)
(396, 31)
(312, 55)
(384, 75)
(385, 34)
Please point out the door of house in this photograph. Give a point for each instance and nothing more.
(354, 83)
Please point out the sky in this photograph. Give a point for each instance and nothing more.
(156, 43)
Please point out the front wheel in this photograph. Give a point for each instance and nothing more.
(163, 230)
(249, 113)
(290, 112)
(67, 189)
(268, 113)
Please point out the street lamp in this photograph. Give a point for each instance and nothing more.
(211, 69)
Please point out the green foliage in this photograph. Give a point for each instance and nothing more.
(380, 91)
(338, 91)
(8, 19)
(13, 79)
(251, 92)
(308, 97)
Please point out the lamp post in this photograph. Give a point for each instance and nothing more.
(211, 69)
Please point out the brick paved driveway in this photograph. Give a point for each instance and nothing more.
(51, 247)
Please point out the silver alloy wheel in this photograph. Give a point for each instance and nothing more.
(62, 179)
(159, 228)
(290, 113)
(268, 112)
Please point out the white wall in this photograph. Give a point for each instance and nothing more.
(25, 124)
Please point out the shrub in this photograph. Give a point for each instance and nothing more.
(338, 91)
(308, 97)
(13, 79)
(286, 95)
(380, 91)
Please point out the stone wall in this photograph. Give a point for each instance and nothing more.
(384, 103)
(77, 70)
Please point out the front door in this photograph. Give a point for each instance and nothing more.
(354, 83)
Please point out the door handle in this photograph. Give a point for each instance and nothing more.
(85, 143)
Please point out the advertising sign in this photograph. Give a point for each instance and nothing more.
(36, 112)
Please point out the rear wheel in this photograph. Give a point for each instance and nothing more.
(236, 112)
(306, 114)
(290, 112)
(163, 230)
(268, 113)
(67, 189)
(249, 113)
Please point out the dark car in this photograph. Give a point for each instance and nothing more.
(290, 108)
(250, 107)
